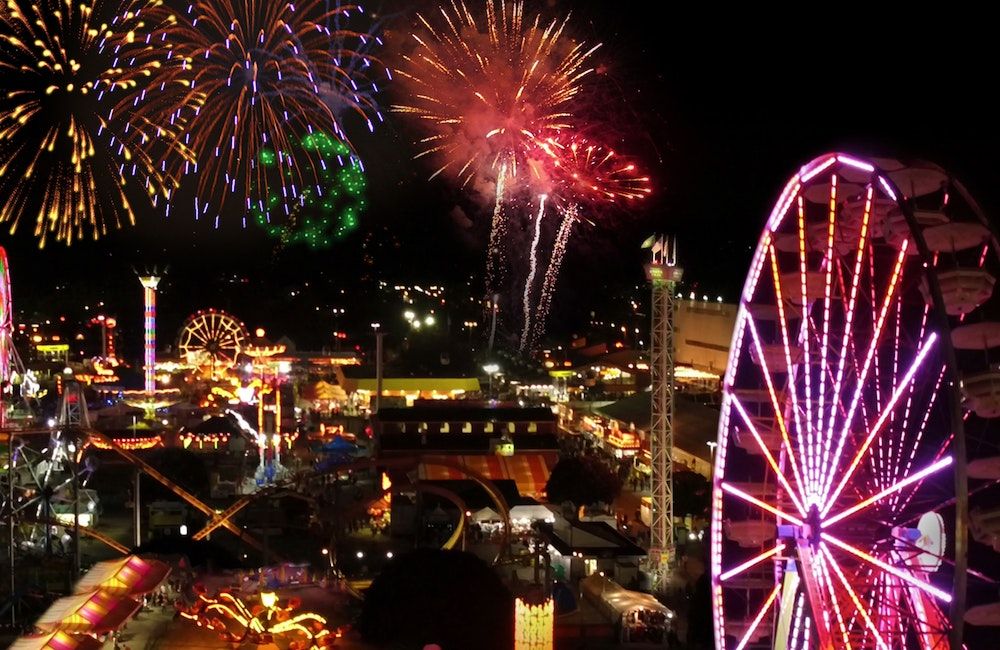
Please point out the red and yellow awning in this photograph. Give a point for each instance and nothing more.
(529, 471)
(128, 576)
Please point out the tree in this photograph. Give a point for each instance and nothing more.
(185, 468)
(449, 598)
(691, 494)
(583, 481)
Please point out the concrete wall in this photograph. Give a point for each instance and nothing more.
(703, 332)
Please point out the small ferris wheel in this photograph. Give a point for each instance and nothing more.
(212, 338)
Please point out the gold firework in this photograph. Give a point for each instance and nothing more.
(74, 136)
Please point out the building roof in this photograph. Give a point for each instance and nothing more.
(215, 425)
(453, 413)
(593, 538)
(476, 498)
(695, 424)
(464, 442)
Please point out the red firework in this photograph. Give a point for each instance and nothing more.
(486, 92)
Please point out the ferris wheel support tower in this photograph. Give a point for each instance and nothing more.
(663, 274)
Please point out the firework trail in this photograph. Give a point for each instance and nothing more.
(569, 217)
(495, 266)
(530, 282)
(486, 91)
(262, 75)
(70, 75)
(580, 173)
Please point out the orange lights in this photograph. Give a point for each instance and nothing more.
(259, 624)
(533, 625)
(623, 439)
(129, 444)
(204, 441)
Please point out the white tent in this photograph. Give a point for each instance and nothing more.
(534, 512)
(486, 514)
(617, 601)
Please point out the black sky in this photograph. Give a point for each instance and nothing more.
(721, 107)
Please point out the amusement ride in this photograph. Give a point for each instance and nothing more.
(858, 422)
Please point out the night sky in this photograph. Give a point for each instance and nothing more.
(720, 107)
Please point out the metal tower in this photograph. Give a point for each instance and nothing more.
(663, 274)
(149, 284)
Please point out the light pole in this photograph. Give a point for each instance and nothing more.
(491, 369)
(378, 365)
(712, 445)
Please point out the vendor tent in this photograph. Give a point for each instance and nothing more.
(128, 576)
(532, 512)
(485, 514)
(56, 641)
(617, 601)
(96, 612)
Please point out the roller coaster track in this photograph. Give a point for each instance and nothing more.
(194, 501)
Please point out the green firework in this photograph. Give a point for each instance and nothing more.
(320, 214)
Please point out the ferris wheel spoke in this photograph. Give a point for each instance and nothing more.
(827, 582)
(752, 562)
(727, 487)
(783, 325)
(925, 348)
(862, 380)
(811, 469)
(902, 575)
(828, 292)
(759, 617)
(780, 420)
(849, 311)
(892, 489)
(861, 609)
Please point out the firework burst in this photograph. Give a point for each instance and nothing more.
(68, 72)
(262, 75)
(582, 175)
(488, 91)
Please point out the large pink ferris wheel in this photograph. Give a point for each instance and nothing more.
(861, 359)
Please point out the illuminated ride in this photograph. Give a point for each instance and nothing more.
(212, 339)
(238, 622)
(861, 364)
(47, 481)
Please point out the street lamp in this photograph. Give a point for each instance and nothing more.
(491, 369)
(712, 445)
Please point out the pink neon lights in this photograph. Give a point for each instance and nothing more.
(827, 293)
(896, 487)
(888, 568)
(824, 576)
(854, 597)
(854, 162)
(752, 562)
(876, 429)
(848, 321)
(760, 504)
(862, 379)
(781, 423)
(809, 174)
(811, 468)
(760, 617)
(887, 187)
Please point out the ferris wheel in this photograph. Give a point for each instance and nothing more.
(6, 319)
(48, 488)
(212, 338)
(862, 357)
